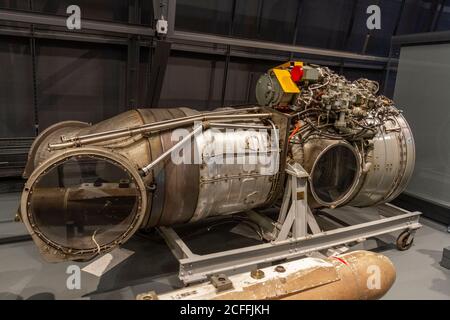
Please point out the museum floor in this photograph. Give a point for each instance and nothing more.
(24, 275)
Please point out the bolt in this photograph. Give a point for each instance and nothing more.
(280, 269)
(257, 274)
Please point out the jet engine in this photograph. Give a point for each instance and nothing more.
(91, 187)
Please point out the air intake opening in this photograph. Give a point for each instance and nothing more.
(85, 203)
(334, 174)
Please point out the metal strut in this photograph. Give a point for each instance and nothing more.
(145, 170)
(157, 126)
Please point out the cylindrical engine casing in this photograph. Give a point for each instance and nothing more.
(213, 188)
(174, 193)
(377, 175)
(390, 165)
(217, 181)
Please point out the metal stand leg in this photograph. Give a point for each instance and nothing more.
(299, 215)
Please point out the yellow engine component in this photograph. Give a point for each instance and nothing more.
(276, 88)
(284, 78)
(289, 64)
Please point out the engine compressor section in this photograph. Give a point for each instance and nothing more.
(356, 145)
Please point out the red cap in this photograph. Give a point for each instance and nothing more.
(296, 73)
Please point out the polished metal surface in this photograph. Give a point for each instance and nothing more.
(228, 183)
(389, 165)
(380, 174)
(232, 167)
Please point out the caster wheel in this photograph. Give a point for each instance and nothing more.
(405, 240)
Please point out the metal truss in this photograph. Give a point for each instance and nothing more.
(60, 21)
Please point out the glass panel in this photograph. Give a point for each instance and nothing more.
(84, 202)
(422, 91)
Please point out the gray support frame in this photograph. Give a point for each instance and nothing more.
(195, 268)
(228, 54)
(165, 9)
(215, 39)
(66, 36)
(60, 21)
(133, 56)
(158, 69)
(171, 11)
(162, 9)
(33, 74)
(132, 77)
(296, 25)
(438, 15)
(178, 45)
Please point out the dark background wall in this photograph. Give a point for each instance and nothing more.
(46, 78)
(43, 81)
